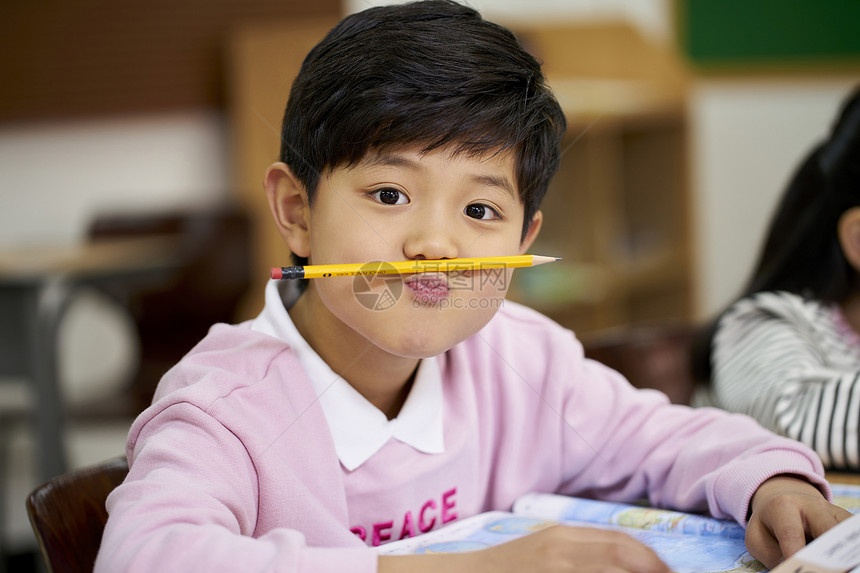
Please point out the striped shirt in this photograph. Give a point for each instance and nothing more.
(793, 364)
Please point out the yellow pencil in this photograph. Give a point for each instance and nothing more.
(409, 267)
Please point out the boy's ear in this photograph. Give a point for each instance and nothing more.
(849, 236)
(531, 235)
(288, 201)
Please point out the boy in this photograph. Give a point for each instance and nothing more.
(327, 425)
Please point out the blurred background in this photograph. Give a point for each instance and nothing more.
(134, 137)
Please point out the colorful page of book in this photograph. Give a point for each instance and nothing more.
(847, 496)
(677, 537)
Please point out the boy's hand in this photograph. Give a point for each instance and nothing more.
(574, 549)
(557, 549)
(786, 512)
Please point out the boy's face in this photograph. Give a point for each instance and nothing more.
(402, 205)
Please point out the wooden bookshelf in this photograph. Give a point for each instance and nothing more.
(618, 211)
(263, 60)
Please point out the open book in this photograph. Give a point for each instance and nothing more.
(687, 543)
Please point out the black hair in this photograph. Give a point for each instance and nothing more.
(802, 253)
(432, 73)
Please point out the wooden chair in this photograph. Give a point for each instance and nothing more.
(649, 357)
(173, 312)
(68, 514)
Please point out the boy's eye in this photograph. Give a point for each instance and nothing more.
(478, 211)
(390, 196)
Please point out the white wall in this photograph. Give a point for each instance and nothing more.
(747, 138)
(54, 177)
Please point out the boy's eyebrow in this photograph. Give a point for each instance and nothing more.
(392, 160)
(395, 160)
(495, 181)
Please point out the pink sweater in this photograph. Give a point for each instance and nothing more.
(233, 467)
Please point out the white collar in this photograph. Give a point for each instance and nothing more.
(358, 427)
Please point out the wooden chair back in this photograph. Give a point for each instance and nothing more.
(68, 514)
(649, 357)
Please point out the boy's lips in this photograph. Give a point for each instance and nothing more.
(428, 285)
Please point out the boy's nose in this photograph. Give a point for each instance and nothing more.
(430, 241)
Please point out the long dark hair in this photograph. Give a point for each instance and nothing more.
(801, 253)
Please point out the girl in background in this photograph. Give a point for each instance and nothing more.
(788, 351)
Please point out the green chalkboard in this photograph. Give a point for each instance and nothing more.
(738, 32)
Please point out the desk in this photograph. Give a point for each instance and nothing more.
(36, 286)
(839, 477)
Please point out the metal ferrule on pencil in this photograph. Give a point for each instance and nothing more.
(291, 273)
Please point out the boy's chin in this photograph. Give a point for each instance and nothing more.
(422, 342)
(417, 349)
